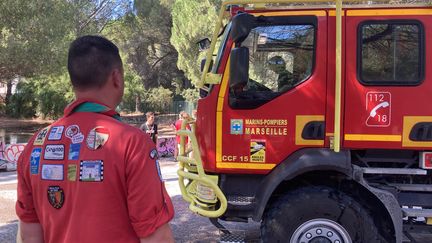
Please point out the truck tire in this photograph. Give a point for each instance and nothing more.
(318, 214)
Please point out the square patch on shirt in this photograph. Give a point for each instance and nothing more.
(54, 152)
(34, 160)
(56, 133)
(74, 151)
(91, 170)
(71, 173)
(40, 138)
(52, 172)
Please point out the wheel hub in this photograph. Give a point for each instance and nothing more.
(320, 231)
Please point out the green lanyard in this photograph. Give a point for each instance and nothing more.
(97, 108)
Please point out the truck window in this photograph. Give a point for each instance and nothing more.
(391, 53)
(281, 57)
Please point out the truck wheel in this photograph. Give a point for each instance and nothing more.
(318, 214)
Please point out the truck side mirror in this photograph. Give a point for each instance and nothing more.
(242, 24)
(204, 44)
(239, 67)
(203, 61)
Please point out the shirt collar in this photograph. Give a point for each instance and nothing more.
(71, 108)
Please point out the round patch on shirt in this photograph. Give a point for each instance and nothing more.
(56, 196)
(97, 137)
(71, 131)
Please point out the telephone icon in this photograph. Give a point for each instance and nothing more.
(373, 112)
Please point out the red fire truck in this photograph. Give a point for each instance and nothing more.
(314, 121)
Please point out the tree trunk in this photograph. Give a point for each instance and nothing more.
(8, 91)
(137, 104)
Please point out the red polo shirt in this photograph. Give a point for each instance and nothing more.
(91, 178)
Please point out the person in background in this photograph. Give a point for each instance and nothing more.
(150, 127)
(177, 126)
(88, 177)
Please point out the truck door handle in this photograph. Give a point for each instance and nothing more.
(421, 131)
(313, 130)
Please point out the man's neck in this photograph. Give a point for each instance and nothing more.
(96, 96)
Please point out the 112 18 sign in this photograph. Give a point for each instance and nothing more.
(378, 108)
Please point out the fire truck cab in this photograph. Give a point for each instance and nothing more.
(313, 120)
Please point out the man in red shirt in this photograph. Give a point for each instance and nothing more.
(87, 177)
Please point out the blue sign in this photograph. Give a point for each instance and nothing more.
(34, 160)
(74, 151)
(236, 126)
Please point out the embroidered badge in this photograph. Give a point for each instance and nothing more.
(72, 130)
(52, 172)
(40, 138)
(79, 138)
(54, 152)
(153, 154)
(56, 196)
(97, 137)
(91, 170)
(71, 173)
(56, 133)
(74, 151)
(34, 160)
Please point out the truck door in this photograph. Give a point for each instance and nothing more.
(387, 86)
(282, 107)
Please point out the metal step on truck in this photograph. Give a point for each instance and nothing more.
(315, 119)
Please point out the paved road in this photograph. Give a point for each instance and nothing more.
(187, 227)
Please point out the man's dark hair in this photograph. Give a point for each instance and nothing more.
(90, 61)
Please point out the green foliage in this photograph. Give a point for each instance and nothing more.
(34, 37)
(53, 94)
(159, 99)
(45, 96)
(134, 91)
(144, 38)
(22, 104)
(190, 95)
(192, 21)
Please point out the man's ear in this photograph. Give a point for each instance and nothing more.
(117, 78)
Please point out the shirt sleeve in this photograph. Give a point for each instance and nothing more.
(149, 204)
(24, 206)
(142, 127)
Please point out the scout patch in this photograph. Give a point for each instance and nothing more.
(71, 131)
(257, 150)
(34, 160)
(78, 138)
(153, 154)
(74, 151)
(54, 152)
(97, 137)
(40, 138)
(56, 133)
(52, 172)
(71, 173)
(91, 170)
(56, 196)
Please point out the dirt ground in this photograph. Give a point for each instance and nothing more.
(187, 227)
